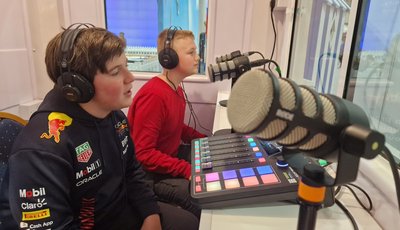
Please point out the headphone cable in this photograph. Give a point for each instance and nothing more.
(272, 6)
(173, 85)
(192, 113)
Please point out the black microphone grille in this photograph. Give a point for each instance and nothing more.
(222, 70)
(222, 58)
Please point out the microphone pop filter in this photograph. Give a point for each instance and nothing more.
(294, 116)
(250, 101)
(303, 121)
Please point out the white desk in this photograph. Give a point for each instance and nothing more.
(279, 215)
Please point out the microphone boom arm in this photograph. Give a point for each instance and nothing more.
(353, 141)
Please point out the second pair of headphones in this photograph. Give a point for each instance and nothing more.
(168, 57)
(74, 86)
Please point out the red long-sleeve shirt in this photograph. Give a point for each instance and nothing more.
(156, 116)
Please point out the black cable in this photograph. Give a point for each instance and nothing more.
(347, 212)
(277, 66)
(188, 102)
(173, 85)
(272, 5)
(257, 52)
(262, 56)
(337, 190)
(292, 37)
(368, 209)
(192, 113)
(393, 166)
(190, 108)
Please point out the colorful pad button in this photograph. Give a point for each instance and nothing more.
(213, 186)
(261, 160)
(198, 179)
(198, 188)
(230, 174)
(264, 170)
(250, 181)
(212, 177)
(269, 179)
(231, 184)
(246, 172)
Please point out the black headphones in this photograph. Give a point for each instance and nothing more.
(74, 86)
(168, 57)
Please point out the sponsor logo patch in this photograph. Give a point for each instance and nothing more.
(83, 152)
(30, 193)
(36, 215)
(29, 205)
(121, 126)
(89, 173)
(57, 122)
(23, 225)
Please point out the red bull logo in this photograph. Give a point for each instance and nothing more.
(121, 126)
(57, 122)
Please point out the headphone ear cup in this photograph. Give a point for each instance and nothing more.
(75, 88)
(168, 58)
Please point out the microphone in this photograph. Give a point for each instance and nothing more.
(233, 68)
(234, 54)
(300, 119)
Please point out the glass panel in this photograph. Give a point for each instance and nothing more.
(375, 71)
(140, 22)
(318, 41)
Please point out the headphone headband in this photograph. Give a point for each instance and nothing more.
(68, 38)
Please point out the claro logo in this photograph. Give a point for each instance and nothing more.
(25, 193)
(39, 204)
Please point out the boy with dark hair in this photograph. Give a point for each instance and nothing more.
(74, 166)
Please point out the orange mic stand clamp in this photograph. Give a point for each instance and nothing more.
(311, 195)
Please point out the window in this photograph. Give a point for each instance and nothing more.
(373, 69)
(319, 40)
(139, 23)
(374, 82)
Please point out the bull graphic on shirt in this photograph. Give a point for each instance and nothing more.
(57, 122)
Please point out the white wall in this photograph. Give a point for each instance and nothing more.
(28, 25)
(44, 23)
(261, 34)
(16, 67)
(233, 25)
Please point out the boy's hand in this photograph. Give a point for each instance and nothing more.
(152, 222)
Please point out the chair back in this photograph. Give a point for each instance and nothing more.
(10, 126)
